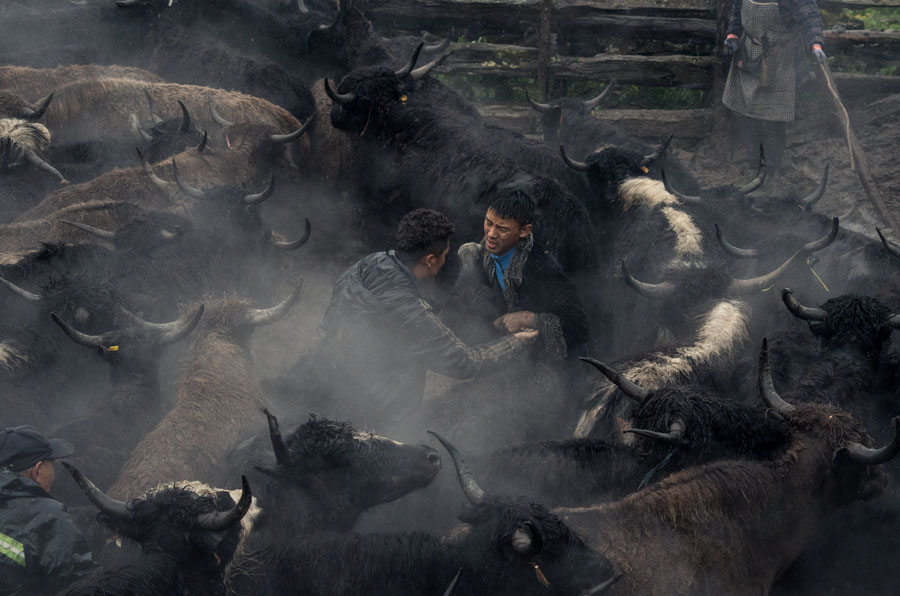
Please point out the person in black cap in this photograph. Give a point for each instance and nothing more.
(41, 550)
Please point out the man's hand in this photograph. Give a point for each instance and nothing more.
(527, 335)
(819, 53)
(516, 321)
(731, 45)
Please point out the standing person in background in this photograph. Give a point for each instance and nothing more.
(768, 41)
(41, 550)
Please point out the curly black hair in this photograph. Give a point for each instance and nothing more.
(423, 232)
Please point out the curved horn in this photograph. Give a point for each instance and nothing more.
(262, 316)
(741, 253)
(453, 583)
(338, 98)
(282, 455)
(151, 105)
(757, 284)
(185, 118)
(590, 104)
(893, 321)
(148, 169)
(882, 455)
(826, 240)
(203, 142)
(575, 165)
(408, 67)
(689, 199)
(129, 3)
(470, 488)
(186, 188)
(288, 246)
(112, 507)
(39, 163)
(798, 310)
(424, 70)
(890, 246)
(675, 436)
(435, 47)
(221, 520)
(602, 588)
(767, 387)
(539, 107)
(811, 200)
(262, 196)
(23, 293)
(104, 234)
(38, 112)
(626, 386)
(216, 117)
(169, 332)
(144, 134)
(90, 341)
(659, 152)
(288, 138)
(660, 291)
(756, 182)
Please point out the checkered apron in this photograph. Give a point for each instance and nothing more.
(764, 91)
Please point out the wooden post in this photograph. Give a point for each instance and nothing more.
(545, 49)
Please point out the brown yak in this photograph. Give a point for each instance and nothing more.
(32, 83)
(731, 527)
(217, 402)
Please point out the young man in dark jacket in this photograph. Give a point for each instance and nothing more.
(380, 333)
(41, 550)
(508, 282)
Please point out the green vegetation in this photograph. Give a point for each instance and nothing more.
(875, 18)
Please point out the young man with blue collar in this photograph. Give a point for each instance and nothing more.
(509, 281)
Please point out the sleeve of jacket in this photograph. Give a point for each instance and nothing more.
(440, 350)
(734, 23)
(807, 15)
(564, 312)
(64, 555)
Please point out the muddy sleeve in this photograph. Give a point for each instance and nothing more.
(806, 14)
(734, 23)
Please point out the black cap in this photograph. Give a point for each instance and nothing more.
(23, 446)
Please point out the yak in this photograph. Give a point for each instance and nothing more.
(215, 402)
(508, 546)
(732, 527)
(189, 533)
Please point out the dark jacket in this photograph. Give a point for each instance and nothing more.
(534, 282)
(41, 550)
(798, 15)
(380, 336)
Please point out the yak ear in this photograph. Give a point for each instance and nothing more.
(526, 540)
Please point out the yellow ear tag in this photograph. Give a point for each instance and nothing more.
(645, 169)
(113, 349)
(403, 99)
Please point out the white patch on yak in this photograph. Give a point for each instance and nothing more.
(521, 541)
(12, 359)
(722, 331)
(30, 135)
(364, 436)
(646, 192)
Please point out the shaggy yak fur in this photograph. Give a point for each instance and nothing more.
(216, 404)
(179, 556)
(35, 83)
(499, 553)
(409, 165)
(731, 527)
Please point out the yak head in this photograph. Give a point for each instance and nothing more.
(13, 106)
(860, 325)
(684, 425)
(23, 142)
(339, 471)
(142, 235)
(839, 444)
(518, 547)
(237, 317)
(200, 528)
(166, 138)
(135, 348)
(554, 112)
(366, 96)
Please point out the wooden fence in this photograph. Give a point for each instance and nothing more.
(671, 43)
